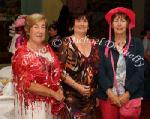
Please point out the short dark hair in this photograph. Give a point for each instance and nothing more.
(53, 26)
(79, 16)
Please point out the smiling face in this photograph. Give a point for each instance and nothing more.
(37, 32)
(35, 27)
(120, 24)
(81, 25)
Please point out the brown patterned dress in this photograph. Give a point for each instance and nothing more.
(83, 70)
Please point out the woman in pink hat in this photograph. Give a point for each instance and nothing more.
(18, 33)
(121, 68)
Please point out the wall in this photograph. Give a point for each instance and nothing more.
(138, 7)
(146, 15)
(50, 8)
(31, 6)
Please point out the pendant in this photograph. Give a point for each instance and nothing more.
(43, 50)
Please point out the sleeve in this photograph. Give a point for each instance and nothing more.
(104, 81)
(57, 69)
(63, 51)
(21, 71)
(63, 54)
(136, 81)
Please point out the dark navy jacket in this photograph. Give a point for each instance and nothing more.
(134, 82)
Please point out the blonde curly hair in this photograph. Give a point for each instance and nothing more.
(32, 20)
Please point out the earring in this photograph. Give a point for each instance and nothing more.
(71, 29)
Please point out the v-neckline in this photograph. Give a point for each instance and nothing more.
(80, 51)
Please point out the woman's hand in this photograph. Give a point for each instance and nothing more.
(114, 99)
(83, 89)
(41, 90)
(124, 98)
(59, 96)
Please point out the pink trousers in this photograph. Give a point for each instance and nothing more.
(110, 111)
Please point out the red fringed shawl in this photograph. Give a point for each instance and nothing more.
(29, 67)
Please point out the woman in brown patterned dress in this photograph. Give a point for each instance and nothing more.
(80, 58)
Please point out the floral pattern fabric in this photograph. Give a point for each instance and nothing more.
(84, 70)
(120, 76)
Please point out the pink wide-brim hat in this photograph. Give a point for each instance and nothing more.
(126, 11)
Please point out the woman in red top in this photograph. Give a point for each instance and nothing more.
(36, 72)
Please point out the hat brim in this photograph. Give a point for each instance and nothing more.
(126, 11)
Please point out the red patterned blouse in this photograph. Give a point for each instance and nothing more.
(29, 66)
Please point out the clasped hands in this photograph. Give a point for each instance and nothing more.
(59, 96)
(118, 100)
(84, 90)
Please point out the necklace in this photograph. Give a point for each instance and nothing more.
(120, 46)
(43, 50)
(37, 49)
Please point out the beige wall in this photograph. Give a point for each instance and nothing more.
(51, 9)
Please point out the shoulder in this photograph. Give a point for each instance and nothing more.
(94, 42)
(22, 56)
(137, 42)
(103, 43)
(66, 41)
